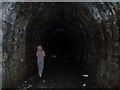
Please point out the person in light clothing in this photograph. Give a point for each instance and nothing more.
(40, 59)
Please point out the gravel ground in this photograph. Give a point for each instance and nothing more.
(60, 76)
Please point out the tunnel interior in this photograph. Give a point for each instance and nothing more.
(78, 38)
(60, 44)
(63, 40)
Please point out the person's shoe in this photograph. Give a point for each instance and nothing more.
(40, 75)
(44, 81)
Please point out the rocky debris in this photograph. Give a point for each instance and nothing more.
(60, 78)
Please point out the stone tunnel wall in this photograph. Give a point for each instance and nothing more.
(101, 23)
(13, 46)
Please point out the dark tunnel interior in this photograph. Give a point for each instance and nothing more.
(62, 48)
(78, 39)
(64, 44)
(60, 44)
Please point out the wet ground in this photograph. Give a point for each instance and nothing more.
(61, 76)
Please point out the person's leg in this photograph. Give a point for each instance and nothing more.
(39, 67)
(42, 66)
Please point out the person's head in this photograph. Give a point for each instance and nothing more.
(39, 47)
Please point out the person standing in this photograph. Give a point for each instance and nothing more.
(40, 59)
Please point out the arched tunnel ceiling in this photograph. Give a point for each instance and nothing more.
(96, 25)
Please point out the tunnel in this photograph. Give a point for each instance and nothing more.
(60, 43)
(78, 39)
(63, 44)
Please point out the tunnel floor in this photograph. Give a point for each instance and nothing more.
(61, 75)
